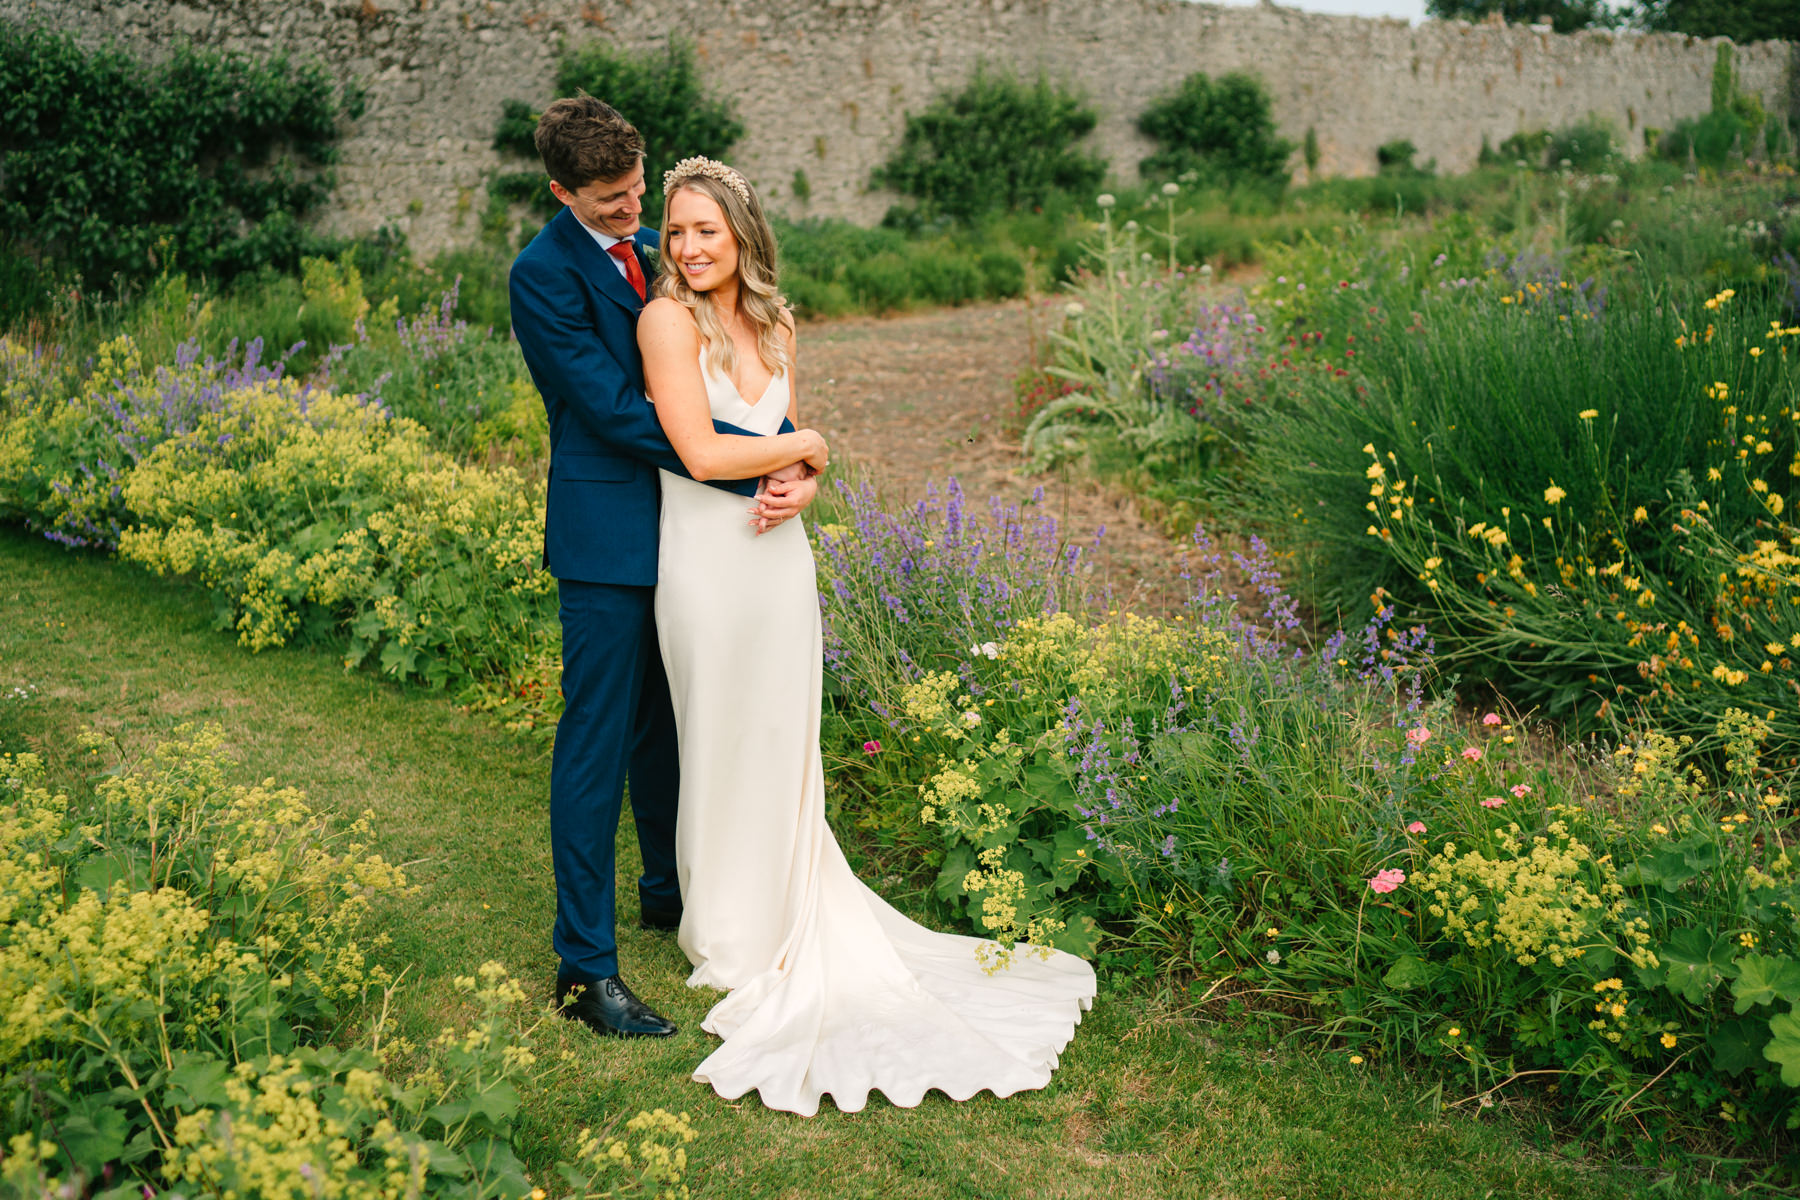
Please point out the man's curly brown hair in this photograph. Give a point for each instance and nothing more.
(582, 139)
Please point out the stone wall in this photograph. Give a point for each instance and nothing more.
(823, 85)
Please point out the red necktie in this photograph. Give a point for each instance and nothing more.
(634, 274)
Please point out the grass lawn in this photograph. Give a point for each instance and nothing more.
(1151, 1101)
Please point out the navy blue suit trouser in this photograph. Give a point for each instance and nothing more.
(617, 722)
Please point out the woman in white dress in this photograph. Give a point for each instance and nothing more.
(832, 990)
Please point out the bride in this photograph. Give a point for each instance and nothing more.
(831, 990)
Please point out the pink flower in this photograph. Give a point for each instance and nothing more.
(1416, 827)
(1472, 753)
(1387, 881)
(871, 747)
(1418, 736)
(1520, 790)
(1491, 719)
(1493, 802)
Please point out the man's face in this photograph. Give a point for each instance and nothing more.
(609, 206)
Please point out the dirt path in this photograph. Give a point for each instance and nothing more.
(923, 397)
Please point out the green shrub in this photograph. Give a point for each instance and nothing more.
(658, 91)
(1512, 459)
(1214, 134)
(206, 162)
(1585, 146)
(1396, 157)
(181, 972)
(999, 143)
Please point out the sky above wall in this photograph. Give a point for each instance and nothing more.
(1411, 10)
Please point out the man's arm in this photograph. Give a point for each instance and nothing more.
(569, 359)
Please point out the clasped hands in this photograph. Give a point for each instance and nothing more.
(785, 493)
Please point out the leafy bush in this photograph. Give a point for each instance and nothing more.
(658, 91)
(999, 143)
(1396, 158)
(1585, 146)
(242, 150)
(179, 974)
(1217, 134)
(1148, 355)
(1510, 454)
(302, 511)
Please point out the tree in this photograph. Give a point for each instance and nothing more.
(1740, 20)
(1565, 15)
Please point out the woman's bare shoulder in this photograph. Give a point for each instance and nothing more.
(665, 314)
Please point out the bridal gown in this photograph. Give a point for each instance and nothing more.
(832, 992)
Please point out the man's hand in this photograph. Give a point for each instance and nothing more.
(783, 498)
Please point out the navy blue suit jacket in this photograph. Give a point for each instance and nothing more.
(575, 318)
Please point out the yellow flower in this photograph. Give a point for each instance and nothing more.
(1356, 1060)
(1274, 932)
(1588, 414)
(1668, 1041)
(1553, 494)
(1640, 515)
(1455, 1032)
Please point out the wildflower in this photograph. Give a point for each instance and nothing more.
(971, 718)
(1553, 494)
(1609, 985)
(1171, 189)
(1640, 515)
(1455, 1032)
(1273, 956)
(1493, 802)
(1588, 414)
(1416, 827)
(1075, 308)
(1356, 1060)
(872, 747)
(1747, 940)
(1387, 880)
(1520, 790)
(1105, 200)
(1418, 735)
(985, 650)
(1491, 719)
(1472, 753)
(1272, 931)
(1668, 1041)
(1659, 828)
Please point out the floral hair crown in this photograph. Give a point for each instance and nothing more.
(712, 169)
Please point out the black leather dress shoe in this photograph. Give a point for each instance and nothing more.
(607, 1007)
(662, 920)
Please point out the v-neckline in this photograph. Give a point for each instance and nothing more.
(740, 395)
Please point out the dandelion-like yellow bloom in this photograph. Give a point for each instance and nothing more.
(1588, 414)
(1553, 494)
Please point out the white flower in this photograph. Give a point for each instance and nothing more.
(1105, 200)
(986, 650)
(971, 718)
(1274, 956)
(1158, 335)
(1206, 268)
(1131, 227)
(1075, 308)
(1171, 189)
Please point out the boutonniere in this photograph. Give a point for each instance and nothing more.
(652, 257)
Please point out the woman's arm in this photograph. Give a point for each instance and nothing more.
(671, 344)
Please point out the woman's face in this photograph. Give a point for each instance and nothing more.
(699, 243)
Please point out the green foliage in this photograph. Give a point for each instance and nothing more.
(658, 91)
(1147, 355)
(205, 162)
(1584, 146)
(1219, 133)
(1309, 150)
(1396, 158)
(1743, 21)
(830, 268)
(999, 143)
(1565, 16)
(180, 969)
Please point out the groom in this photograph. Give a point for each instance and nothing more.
(576, 293)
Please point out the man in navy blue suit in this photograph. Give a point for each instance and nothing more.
(576, 292)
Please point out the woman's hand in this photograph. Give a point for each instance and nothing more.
(817, 454)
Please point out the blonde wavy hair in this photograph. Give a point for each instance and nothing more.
(759, 299)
